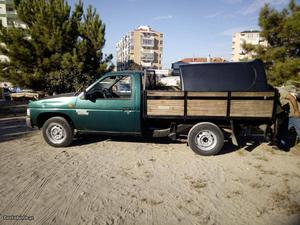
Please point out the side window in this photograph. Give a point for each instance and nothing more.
(112, 87)
(122, 89)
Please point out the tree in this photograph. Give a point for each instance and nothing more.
(60, 50)
(281, 29)
(133, 65)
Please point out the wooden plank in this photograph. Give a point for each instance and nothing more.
(207, 107)
(165, 93)
(159, 107)
(251, 108)
(252, 94)
(207, 94)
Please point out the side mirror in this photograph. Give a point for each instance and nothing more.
(89, 96)
(86, 95)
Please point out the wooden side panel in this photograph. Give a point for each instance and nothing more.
(165, 107)
(251, 108)
(166, 93)
(252, 94)
(207, 107)
(207, 94)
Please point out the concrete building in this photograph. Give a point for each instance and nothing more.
(142, 47)
(248, 37)
(185, 61)
(8, 14)
(9, 18)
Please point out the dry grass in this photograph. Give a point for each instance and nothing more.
(188, 201)
(154, 202)
(256, 185)
(279, 197)
(241, 152)
(139, 164)
(270, 150)
(293, 208)
(283, 201)
(262, 158)
(259, 167)
(148, 174)
(198, 184)
(233, 194)
(263, 171)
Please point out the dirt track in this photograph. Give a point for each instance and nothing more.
(138, 181)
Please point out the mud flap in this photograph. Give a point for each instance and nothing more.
(233, 135)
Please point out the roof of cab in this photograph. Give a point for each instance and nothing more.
(125, 72)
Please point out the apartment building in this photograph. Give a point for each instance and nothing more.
(9, 18)
(8, 14)
(142, 47)
(249, 37)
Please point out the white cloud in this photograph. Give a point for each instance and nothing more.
(231, 31)
(256, 5)
(165, 17)
(213, 15)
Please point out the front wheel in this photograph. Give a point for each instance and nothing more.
(206, 139)
(57, 132)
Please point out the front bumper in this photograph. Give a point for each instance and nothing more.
(29, 122)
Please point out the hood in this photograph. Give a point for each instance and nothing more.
(60, 95)
(67, 100)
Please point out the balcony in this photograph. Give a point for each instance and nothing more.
(149, 57)
(7, 2)
(146, 64)
(147, 42)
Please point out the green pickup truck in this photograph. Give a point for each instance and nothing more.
(212, 97)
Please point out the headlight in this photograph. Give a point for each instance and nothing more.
(28, 112)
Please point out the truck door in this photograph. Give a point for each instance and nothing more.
(110, 105)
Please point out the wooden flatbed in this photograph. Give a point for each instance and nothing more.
(230, 105)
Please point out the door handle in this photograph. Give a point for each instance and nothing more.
(126, 109)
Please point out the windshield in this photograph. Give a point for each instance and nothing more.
(118, 86)
(107, 83)
(100, 85)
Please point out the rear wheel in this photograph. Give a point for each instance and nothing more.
(57, 132)
(206, 139)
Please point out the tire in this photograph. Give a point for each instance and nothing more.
(58, 132)
(206, 139)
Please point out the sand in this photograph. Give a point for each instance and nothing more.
(146, 181)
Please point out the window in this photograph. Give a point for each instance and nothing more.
(147, 56)
(122, 89)
(9, 9)
(113, 87)
(147, 42)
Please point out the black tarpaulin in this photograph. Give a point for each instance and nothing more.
(233, 76)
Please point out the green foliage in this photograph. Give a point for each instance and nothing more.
(282, 31)
(60, 50)
(133, 65)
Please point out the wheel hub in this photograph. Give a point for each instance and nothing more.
(206, 140)
(56, 133)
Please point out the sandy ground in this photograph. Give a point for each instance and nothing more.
(143, 181)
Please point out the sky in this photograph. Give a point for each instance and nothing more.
(191, 28)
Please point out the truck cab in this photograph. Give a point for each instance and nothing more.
(111, 104)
